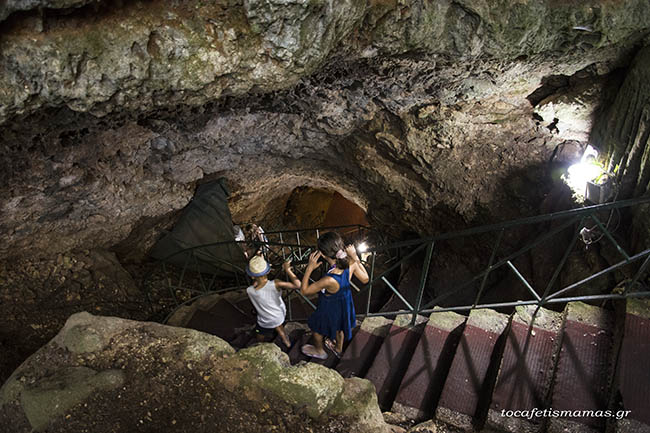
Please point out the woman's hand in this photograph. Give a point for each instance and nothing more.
(313, 260)
(351, 251)
(286, 266)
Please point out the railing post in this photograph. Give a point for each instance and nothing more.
(372, 272)
(170, 286)
(560, 265)
(284, 257)
(638, 275)
(423, 281)
(489, 268)
(609, 236)
(299, 249)
(180, 280)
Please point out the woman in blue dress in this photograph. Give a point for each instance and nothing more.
(335, 316)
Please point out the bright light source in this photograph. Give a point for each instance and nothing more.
(362, 247)
(586, 170)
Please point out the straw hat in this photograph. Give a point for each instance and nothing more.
(257, 267)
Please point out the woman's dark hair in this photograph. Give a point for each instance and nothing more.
(331, 243)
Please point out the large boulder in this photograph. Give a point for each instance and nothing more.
(105, 374)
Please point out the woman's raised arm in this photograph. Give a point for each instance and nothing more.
(356, 267)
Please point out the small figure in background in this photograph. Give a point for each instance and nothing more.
(239, 237)
(238, 233)
(257, 240)
(334, 317)
(266, 296)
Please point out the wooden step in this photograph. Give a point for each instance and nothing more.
(633, 370)
(422, 384)
(468, 382)
(583, 369)
(363, 348)
(526, 371)
(393, 357)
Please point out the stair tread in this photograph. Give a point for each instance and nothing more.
(362, 349)
(526, 370)
(420, 388)
(633, 373)
(463, 389)
(392, 359)
(295, 354)
(582, 374)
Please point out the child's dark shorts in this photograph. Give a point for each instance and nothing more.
(266, 332)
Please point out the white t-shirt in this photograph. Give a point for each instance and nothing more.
(268, 302)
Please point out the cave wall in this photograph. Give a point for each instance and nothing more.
(414, 111)
(624, 135)
(111, 112)
(428, 115)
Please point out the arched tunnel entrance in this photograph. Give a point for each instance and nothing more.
(312, 207)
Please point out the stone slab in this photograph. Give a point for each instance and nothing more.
(464, 387)
(422, 384)
(392, 360)
(582, 375)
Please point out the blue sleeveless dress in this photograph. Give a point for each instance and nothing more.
(335, 312)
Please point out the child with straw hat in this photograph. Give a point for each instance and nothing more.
(266, 296)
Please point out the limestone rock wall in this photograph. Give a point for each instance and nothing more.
(114, 375)
(110, 113)
(624, 134)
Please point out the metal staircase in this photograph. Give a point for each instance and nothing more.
(506, 365)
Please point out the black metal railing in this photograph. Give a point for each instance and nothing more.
(380, 258)
(194, 272)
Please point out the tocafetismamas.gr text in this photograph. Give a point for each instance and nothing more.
(554, 413)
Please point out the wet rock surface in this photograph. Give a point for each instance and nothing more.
(97, 367)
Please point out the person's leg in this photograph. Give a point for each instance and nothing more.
(318, 343)
(260, 338)
(315, 351)
(339, 341)
(283, 336)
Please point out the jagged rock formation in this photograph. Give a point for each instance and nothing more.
(38, 296)
(115, 375)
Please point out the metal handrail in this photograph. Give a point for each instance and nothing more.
(190, 261)
(573, 216)
(539, 298)
(520, 222)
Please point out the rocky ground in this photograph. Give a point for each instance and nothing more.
(173, 379)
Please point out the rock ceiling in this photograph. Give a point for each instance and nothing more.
(418, 111)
